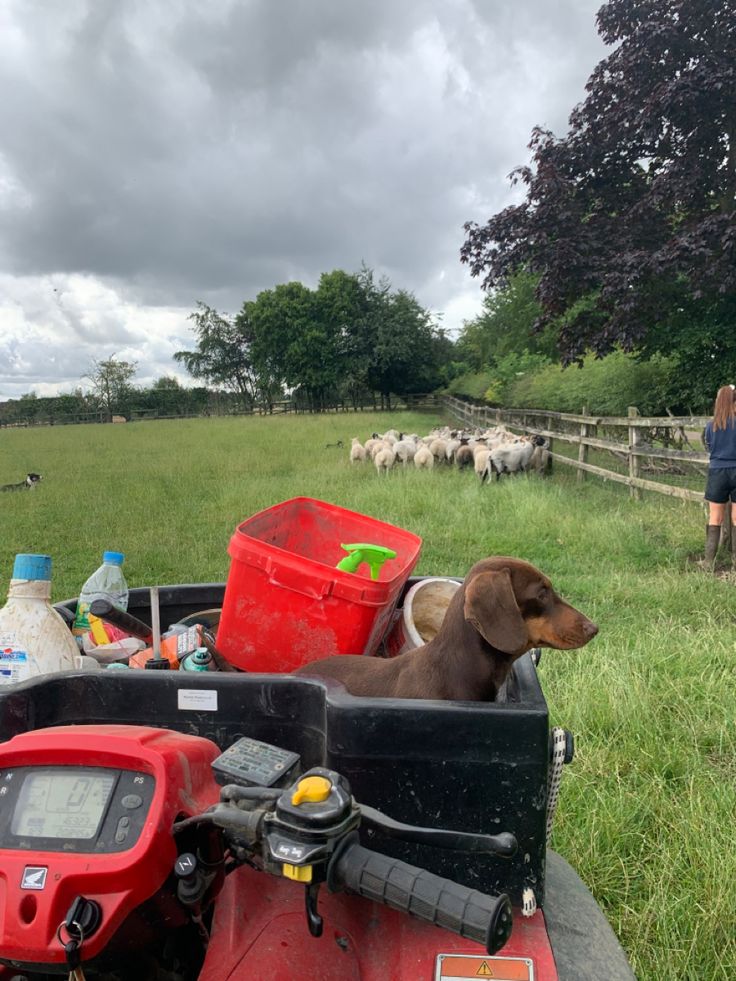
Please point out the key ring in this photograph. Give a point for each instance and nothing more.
(78, 940)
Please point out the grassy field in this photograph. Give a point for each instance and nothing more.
(647, 810)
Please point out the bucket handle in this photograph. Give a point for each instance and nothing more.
(298, 582)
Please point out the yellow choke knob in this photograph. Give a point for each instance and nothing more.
(299, 873)
(311, 790)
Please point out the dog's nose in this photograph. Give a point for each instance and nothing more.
(591, 629)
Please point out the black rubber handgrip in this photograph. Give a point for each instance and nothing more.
(447, 904)
(119, 618)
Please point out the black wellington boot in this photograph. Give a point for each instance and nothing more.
(712, 540)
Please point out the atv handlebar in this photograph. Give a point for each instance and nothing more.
(467, 912)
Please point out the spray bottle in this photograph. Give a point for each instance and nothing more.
(373, 555)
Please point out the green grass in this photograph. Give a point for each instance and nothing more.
(647, 809)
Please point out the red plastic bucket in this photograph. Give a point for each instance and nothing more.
(285, 602)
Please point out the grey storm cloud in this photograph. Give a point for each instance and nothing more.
(183, 151)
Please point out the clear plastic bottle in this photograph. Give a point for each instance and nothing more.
(34, 640)
(107, 582)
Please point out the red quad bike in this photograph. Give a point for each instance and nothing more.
(172, 826)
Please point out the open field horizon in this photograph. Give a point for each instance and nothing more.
(646, 809)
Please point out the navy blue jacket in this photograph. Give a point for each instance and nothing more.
(721, 444)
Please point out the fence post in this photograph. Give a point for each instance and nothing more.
(583, 448)
(634, 492)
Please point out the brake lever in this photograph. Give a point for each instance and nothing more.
(503, 844)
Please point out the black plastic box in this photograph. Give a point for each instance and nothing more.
(471, 766)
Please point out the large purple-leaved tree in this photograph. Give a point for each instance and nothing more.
(630, 219)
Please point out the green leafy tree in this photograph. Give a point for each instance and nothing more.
(296, 341)
(406, 347)
(224, 353)
(506, 324)
(111, 388)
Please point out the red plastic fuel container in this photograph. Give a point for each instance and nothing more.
(285, 602)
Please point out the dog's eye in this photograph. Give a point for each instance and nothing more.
(543, 594)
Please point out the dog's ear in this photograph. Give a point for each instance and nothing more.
(490, 606)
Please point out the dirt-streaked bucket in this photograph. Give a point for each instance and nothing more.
(422, 614)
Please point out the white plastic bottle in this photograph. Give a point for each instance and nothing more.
(107, 582)
(34, 640)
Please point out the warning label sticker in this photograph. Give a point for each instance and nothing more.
(464, 967)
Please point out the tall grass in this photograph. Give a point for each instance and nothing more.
(647, 809)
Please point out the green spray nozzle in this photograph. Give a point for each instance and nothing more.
(374, 555)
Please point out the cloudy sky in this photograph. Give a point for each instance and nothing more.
(155, 154)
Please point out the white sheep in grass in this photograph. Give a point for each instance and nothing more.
(379, 444)
(384, 459)
(541, 458)
(512, 457)
(357, 451)
(482, 464)
(451, 449)
(369, 444)
(438, 449)
(423, 458)
(405, 450)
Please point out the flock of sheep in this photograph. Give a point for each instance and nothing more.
(491, 452)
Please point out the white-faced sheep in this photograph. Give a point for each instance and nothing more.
(357, 451)
(423, 458)
(384, 459)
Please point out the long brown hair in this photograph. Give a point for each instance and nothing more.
(724, 409)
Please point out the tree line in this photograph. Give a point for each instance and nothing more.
(166, 397)
(351, 341)
(348, 338)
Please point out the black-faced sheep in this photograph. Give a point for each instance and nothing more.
(541, 459)
(405, 449)
(512, 457)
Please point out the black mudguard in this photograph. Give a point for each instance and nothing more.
(584, 945)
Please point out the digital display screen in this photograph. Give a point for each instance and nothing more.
(63, 802)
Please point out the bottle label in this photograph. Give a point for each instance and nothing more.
(81, 623)
(14, 665)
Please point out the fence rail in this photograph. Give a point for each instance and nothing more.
(582, 430)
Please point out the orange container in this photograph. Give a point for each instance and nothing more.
(285, 602)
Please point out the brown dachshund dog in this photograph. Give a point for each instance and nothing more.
(504, 608)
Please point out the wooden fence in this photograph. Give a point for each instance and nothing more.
(394, 403)
(586, 431)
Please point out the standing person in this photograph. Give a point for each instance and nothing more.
(719, 437)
